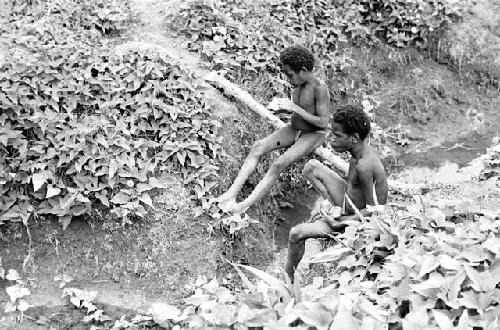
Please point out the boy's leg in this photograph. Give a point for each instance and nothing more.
(282, 138)
(296, 241)
(304, 145)
(329, 184)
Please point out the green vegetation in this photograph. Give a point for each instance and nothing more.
(472, 46)
(82, 128)
(245, 39)
(419, 265)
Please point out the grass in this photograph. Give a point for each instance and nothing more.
(472, 46)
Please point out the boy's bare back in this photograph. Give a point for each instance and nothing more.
(364, 173)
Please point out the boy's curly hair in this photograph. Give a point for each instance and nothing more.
(297, 57)
(353, 120)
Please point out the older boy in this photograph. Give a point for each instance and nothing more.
(306, 131)
(350, 128)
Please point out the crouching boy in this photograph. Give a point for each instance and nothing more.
(365, 180)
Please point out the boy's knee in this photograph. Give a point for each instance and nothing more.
(295, 234)
(279, 165)
(310, 168)
(258, 148)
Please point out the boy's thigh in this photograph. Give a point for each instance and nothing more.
(303, 146)
(333, 183)
(317, 229)
(281, 138)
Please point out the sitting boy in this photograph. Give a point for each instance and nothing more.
(306, 131)
(366, 174)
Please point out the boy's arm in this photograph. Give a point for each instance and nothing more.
(365, 175)
(322, 97)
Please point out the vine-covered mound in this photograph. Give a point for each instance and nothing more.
(81, 128)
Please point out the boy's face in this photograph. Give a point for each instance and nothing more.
(340, 141)
(296, 78)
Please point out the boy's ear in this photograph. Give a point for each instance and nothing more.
(356, 138)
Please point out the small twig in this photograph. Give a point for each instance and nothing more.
(422, 202)
(461, 145)
(30, 247)
(55, 246)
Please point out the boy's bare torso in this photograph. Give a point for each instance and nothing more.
(371, 163)
(304, 97)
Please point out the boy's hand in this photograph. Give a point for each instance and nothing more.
(330, 213)
(282, 104)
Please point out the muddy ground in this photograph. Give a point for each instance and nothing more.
(153, 259)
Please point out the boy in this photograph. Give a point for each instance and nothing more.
(306, 131)
(366, 174)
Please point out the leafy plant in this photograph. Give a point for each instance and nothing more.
(82, 128)
(16, 292)
(226, 32)
(106, 17)
(491, 162)
(403, 267)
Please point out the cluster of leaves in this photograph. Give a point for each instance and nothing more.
(16, 292)
(81, 127)
(399, 22)
(81, 299)
(404, 23)
(491, 161)
(84, 300)
(227, 32)
(234, 36)
(104, 17)
(428, 265)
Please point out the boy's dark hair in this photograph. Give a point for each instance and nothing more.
(297, 57)
(353, 119)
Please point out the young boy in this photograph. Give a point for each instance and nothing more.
(306, 131)
(366, 174)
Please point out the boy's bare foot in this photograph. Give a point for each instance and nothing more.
(228, 195)
(227, 205)
(231, 206)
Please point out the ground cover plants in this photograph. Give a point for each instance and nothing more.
(424, 262)
(429, 280)
(236, 36)
(82, 128)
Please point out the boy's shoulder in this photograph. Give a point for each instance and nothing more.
(369, 160)
(319, 83)
(320, 87)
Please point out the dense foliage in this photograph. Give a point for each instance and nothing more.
(82, 127)
(235, 34)
(431, 263)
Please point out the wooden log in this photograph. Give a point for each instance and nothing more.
(231, 90)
